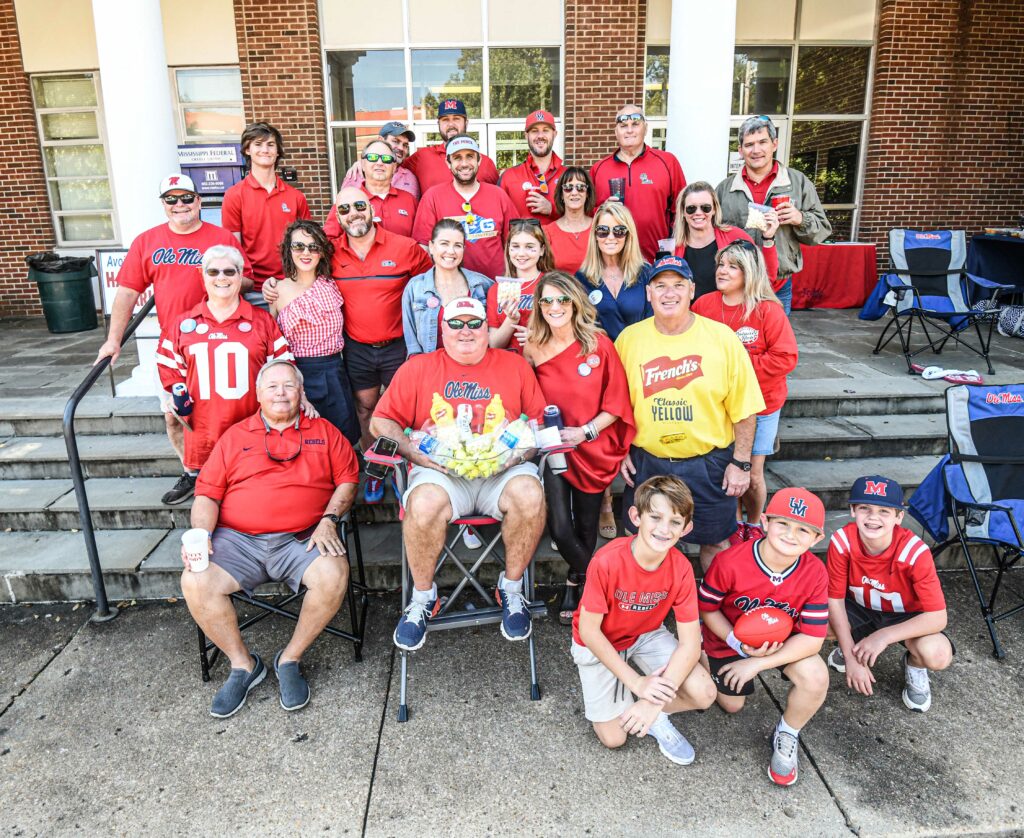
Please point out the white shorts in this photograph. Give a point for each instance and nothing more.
(605, 697)
(166, 399)
(469, 497)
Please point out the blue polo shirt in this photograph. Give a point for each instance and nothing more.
(616, 313)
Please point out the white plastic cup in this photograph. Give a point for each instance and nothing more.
(196, 545)
(667, 245)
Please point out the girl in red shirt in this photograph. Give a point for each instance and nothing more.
(746, 303)
(579, 371)
(527, 257)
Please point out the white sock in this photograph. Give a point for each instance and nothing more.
(916, 669)
(424, 596)
(782, 727)
(510, 586)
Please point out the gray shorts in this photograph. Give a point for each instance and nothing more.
(469, 497)
(252, 560)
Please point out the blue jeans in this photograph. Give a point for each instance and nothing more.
(785, 294)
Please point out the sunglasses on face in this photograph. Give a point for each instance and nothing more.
(629, 119)
(171, 200)
(359, 206)
(602, 231)
(301, 247)
(574, 187)
(562, 300)
(459, 325)
(374, 157)
(704, 208)
(229, 272)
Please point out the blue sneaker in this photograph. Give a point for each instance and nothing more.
(411, 631)
(373, 490)
(516, 623)
(230, 698)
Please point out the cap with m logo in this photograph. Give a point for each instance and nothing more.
(877, 491)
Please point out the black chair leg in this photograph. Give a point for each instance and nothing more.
(204, 658)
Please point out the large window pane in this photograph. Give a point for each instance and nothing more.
(86, 228)
(828, 153)
(64, 91)
(215, 84)
(70, 126)
(348, 145)
(760, 82)
(511, 149)
(656, 82)
(523, 80)
(80, 194)
(367, 85)
(213, 123)
(831, 80)
(446, 74)
(75, 161)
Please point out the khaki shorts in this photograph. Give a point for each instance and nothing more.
(469, 497)
(605, 697)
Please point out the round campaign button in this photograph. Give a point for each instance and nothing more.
(433, 302)
(584, 370)
(188, 326)
(202, 329)
(245, 326)
(593, 361)
(595, 296)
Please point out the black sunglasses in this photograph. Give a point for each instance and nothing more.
(171, 200)
(602, 231)
(574, 187)
(360, 206)
(525, 222)
(299, 247)
(742, 244)
(459, 325)
(704, 208)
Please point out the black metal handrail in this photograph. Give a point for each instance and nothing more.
(103, 611)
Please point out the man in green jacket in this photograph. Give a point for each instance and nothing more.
(762, 179)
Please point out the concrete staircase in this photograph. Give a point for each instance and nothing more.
(833, 430)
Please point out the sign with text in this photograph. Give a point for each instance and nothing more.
(210, 155)
(108, 264)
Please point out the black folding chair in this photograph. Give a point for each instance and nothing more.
(280, 606)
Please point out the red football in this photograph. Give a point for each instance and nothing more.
(766, 624)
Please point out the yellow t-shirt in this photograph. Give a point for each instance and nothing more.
(687, 390)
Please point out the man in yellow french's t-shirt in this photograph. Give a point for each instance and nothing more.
(695, 400)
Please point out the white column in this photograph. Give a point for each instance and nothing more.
(700, 86)
(142, 145)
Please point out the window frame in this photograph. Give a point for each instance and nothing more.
(179, 106)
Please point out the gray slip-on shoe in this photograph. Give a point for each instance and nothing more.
(231, 697)
(294, 689)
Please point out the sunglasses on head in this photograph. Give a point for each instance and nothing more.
(359, 206)
(562, 300)
(525, 222)
(221, 271)
(574, 187)
(300, 247)
(740, 244)
(602, 231)
(629, 119)
(459, 325)
(373, 157)
(171, 200)
(704, 208)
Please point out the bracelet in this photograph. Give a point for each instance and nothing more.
(590, 431)
(735, 645)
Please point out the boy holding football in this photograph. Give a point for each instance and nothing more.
(779, 571)
(632, 584)
(883, 589)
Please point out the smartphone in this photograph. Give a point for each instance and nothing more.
(388, 448)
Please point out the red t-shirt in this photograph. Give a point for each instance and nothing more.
(582, 386)
(567, 249)
(739, 581)
(260, 495)
(430, 165)
(171, 263)
(901, 580)
(653, 180)
(520, 180)
(495, 318)
(491, 212)
(407, 401)
(261, 218)
(218, 363)
(372, 287)
(768, 338)
(759, 191)
(633, 600)
(394, 212)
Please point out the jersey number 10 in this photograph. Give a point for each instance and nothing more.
(230, 361)
(876, 597)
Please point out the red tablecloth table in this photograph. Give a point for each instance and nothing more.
(835, 276)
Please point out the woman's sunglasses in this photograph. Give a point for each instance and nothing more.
(574, 187)
(229, 272)
(704, 208)
(602, 231)
(562, 300)
(300, 247)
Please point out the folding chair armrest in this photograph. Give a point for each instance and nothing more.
(897, 285)
(987, 283)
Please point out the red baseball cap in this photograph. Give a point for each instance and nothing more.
(539, 118)
(798, 505)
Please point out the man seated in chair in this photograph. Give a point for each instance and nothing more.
(271, 496)
(430, 388)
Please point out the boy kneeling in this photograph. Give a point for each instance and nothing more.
(778, 571)
(883, 589)
(632, 583)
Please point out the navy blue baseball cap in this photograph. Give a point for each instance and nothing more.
(397, 129)
(877, 491)
(674, 264)
(447, 107)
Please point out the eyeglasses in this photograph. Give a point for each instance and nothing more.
(602, 231)
(562, 300)
(222, 272)
(629, 119)
(525, 222)
(171, 200)
(704, 208)
(300, 247)
(574, 187)
(741, 244)
(373, 157)
(459, 325)
(274, 457)
(360, 206)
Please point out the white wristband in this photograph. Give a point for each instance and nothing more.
(735, 645)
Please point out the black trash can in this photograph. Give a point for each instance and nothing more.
(65, 290)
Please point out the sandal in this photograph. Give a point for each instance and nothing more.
(606, 526)
(570, 601)
(963, 377)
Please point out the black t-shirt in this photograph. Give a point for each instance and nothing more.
(702, 262)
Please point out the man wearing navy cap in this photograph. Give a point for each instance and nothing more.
(396, 135)
(531, 185)
(430, 164)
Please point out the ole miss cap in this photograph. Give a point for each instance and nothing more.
(177, 183)
(397, 129)
(673, 264)
(464, 306)
(878, 491)
(539, 118)
(447, 107)
(798, 505)
(461, 142)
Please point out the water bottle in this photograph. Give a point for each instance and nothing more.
(553, 420)
(427, 444)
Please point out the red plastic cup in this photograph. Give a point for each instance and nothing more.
(780, 200)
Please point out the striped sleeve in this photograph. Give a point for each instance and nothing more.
(279, 349)
(838, 562)
(169, 362)
(814, 619)
(912, 551)
(712, 590)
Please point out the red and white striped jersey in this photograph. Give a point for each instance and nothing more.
(901, 580)
(218, 362)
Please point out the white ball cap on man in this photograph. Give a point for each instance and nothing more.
(463, 306)
(177, 183)
(462, 142)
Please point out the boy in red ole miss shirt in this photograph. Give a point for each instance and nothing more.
(883, 589)
(632, 584)
(777, 570)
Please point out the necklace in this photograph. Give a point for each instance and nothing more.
(727, 319)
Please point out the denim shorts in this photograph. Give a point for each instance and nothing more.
(764, 435)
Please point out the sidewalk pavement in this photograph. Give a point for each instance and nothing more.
(104, 729)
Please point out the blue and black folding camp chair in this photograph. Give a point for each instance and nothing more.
(984, 480)
(929, 285)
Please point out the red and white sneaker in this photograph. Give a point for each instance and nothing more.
(785, 751)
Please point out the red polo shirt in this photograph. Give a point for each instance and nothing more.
(430, 165)
(394, 212)
(759, 191)
(261, 217)
(653, 180)
(372, 287)
(259, 495)
(520, 180)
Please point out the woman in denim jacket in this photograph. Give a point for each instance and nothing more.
(427, 294)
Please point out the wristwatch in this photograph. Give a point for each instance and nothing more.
(739, 463)
(336, 519)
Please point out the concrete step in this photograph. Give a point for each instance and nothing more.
(831, 479)
(848, 437)
(97, 414)
(866, 396)
(43, 457)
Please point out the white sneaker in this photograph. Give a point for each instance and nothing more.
(917, 694)
(471, 540)
(836, 660)
(671, 742)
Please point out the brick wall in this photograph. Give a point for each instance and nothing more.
(25, 219)
(604, 68)
(282, 83)
(946, 147)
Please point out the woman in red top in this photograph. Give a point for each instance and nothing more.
(527, 257)
(574, 201)
(700, 234)
(746, 303)
(579, 371)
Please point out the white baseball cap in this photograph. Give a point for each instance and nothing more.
(461, 143)
(461, 306)
(177, 183)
